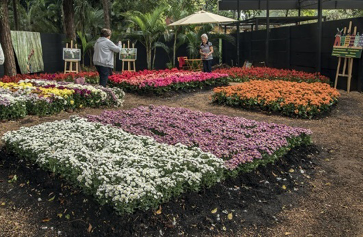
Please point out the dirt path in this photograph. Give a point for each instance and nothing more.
(334, 206)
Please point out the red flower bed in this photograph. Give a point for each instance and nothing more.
(91, 77)
(261, 73)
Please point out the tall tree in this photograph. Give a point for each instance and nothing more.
(151, 26)
(5, 39)
(106, 13)
(82, 10)
(69, 19)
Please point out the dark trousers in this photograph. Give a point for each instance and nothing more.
(104, 73)
(207, 65)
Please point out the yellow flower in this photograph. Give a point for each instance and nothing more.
(80, 106)
(72, 102)
(54, 91)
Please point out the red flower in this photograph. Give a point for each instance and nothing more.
(261, 73)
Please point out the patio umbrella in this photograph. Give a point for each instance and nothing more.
(203, 17)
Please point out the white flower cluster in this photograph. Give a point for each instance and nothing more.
(127, 171)
(7, 98)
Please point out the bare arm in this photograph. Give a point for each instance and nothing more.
(211, 50)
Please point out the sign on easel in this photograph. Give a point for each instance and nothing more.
(128, 55)
(71, 57)
(347, 46)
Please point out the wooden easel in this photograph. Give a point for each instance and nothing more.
(70, 62)
(129, 61)
(347, 62)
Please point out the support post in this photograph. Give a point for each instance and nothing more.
(238, 18)
(267, 31)
(320, 34)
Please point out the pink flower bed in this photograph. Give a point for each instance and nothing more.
(166, 80)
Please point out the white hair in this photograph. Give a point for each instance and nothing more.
(204, 36)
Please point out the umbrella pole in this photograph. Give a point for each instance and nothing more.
(220, 46)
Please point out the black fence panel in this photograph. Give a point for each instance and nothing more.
(52, 46)
(295, 47)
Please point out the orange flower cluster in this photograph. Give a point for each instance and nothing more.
(291, 98)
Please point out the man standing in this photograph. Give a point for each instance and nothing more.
(2, 58)
(103, 55)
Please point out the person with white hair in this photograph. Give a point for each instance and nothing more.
(2, 58)
(206, 51)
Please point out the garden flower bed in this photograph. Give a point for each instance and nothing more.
(126, 171)
(42, 97)
(90, 77)
(305, 100)
(160, 82)
(183, 150)
(238, 74)
(243, 144)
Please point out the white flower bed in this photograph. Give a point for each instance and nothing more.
(127, 171)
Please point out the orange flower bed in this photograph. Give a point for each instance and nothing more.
(305, 100)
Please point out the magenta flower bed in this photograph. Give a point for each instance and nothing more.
(237, 140)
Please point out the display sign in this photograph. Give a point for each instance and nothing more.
(345, 52)
(71, 54)
(348, 46)
(128, 54)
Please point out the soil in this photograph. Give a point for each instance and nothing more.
(312, 191)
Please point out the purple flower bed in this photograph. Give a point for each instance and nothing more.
(234, 139)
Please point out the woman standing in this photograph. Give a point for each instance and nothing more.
(103, 55)
(206, 50)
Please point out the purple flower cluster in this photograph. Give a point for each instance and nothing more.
(235, 139)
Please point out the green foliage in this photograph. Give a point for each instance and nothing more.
(15, 111)
(193, 40)
(38, 16)
(150, 26)
(87, 46)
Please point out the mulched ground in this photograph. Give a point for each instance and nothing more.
(312, 191)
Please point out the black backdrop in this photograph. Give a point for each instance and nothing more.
(295, 47)
(291, 47)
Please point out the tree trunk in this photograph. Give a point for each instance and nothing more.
(69, 19)
(148, 56)
(154, 58)
(106, 13)
(90, 58)
(15, 12)
(5, 40)
(174, 48)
